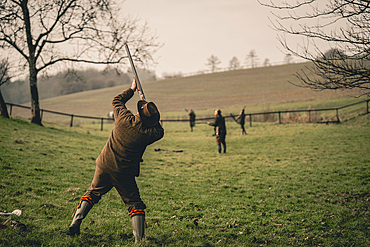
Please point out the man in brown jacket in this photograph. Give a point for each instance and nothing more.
(119, 162)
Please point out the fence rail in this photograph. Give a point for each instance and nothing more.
(258, 117)
(72, 116)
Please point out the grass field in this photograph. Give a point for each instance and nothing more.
(280, 185)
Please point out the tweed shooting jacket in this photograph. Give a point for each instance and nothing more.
(128, 140)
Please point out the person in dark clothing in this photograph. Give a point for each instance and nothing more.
(220, 130)
(191, 119)
(119, 162)
(240, 119)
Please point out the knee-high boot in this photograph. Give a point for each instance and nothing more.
(138, 226)
(82, 210)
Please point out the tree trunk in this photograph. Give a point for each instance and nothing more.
(35, 105)
(3, 109)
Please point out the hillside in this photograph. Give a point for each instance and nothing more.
(238, 88)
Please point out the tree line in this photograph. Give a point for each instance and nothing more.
(251, 60)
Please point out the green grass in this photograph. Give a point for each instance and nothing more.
(280, 185)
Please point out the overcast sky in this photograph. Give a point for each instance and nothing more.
(193, 30)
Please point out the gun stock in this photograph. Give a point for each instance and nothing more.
(139, 88)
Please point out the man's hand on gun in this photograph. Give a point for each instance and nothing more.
(134, 87)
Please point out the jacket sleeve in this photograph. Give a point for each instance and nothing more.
(119, 107)
(213, 123)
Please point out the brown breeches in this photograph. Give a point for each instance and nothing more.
(125, 185)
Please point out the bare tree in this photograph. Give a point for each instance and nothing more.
(234, 63)
(46, 33)
(344, 25)
(252, 57)
(4, 78)
(288, 58)
(213, 61)
(333, 54)
(266, 62)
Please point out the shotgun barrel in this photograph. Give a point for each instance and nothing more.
(139, 88)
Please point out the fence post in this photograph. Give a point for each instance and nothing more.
(11, 109)
(367, 106)
(102, 120)
(250, 120)
(309, 116)
(337, 116)
(71, 121)
(42, 113)
(279, 117)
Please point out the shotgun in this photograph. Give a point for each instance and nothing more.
(139, 88)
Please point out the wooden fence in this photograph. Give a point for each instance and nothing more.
(293, 115)
(72, 116)
(310, 115)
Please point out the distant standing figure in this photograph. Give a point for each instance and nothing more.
(191, 118)
(220, 130)
(241, 120)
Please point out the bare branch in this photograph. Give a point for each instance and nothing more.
(314, 20)
(4, 71)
